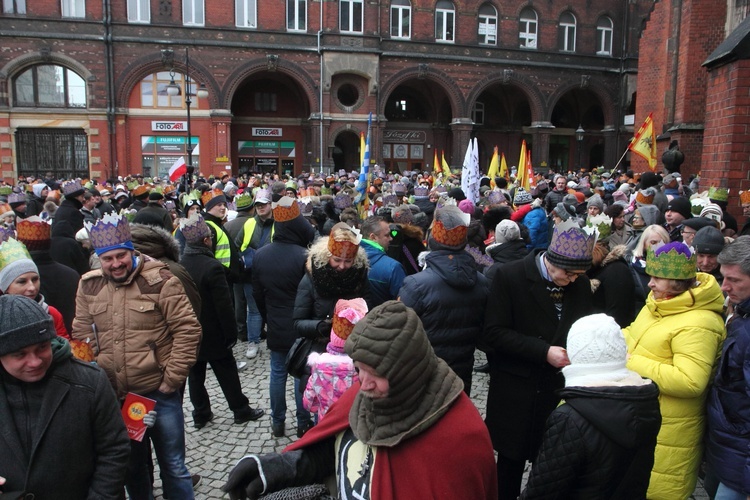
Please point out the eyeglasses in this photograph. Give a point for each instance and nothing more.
(571, 274)
(687, 232)
(637, 217)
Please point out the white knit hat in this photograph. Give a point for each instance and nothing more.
(507, 230)
(597, 352)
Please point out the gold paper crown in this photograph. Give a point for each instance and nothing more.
(744, 197)
(194, 229)
(140, 190)
(209, 195)
(244, 200)
(11, 251)
(644, 199)
(285, 209)
(34, 233)
(450, 237)
(344, 241)
(673, 261)
(718, 193)
(109, 231)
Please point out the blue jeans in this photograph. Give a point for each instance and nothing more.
(168, 438)
(726, 493)
(278, 392)
(254, 319)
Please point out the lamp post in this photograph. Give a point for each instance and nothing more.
(174, 90)
(579, 138)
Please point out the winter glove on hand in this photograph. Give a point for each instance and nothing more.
(244, 480)
(324, 328)
(254, 476)
(149, 419)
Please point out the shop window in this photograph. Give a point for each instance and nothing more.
(445, 21)
(64, 152)
(14, 6)
(73, 8)
(527, 29)
(159, 153)
(604, 28)
(193, 13)
(296, 15)
(139, 11)
(154, 91)
(566, 33)
(49, 85)
(350, 16)
(487, 25)
(400, 19)
(245, 13)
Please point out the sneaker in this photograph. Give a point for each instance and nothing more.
(199, 422)
(248, 414)
(241, 365)
(197, 479)
(278, 429)
(252, 350)
(301, 430)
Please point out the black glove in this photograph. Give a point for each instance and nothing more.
(244, 480)
(279, 469)
(324, 328)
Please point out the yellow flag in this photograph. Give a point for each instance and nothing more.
(522, 177)
(503, 166)
(644, 142)
(361, 148)
(494, 169)
(446, 168)
(436, 164)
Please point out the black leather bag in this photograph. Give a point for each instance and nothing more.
(296, 358)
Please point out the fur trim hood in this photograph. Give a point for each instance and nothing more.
(318, 256)
(155, 242)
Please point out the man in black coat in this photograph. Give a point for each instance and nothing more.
(219, 329)
(70, 208)
(531, 306)
(277, 270)
(66, 250)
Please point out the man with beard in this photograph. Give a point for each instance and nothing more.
(405, 430)
(145, 335)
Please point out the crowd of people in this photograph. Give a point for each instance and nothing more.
(612, 308)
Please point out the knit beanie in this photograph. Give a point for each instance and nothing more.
(522, 197)
(564, 210)
(402, 215)
(466, 206)
(681, 206)
(507, 230)
(596, 201)
(571, 246)
(24, 323)
(14, 261)
(712, 211)
(597, 351)
(708, 240)
(346, 314)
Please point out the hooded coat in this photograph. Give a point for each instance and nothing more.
(613, 286)
(598, 445)
(450, 296)
(502, 253)
(70, 211)
(675, 342)
(65, 249)
(58, 285)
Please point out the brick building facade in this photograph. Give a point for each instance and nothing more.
(291, 83)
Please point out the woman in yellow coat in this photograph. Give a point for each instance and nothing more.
(675, 341)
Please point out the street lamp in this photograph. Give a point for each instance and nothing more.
(174, 90)
(579, 138)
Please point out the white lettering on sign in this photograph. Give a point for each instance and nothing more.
(168, 126)
(266, 132)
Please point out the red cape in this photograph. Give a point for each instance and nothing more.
(452, 459)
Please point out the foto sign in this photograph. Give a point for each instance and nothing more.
(159, 126)
(266, 132)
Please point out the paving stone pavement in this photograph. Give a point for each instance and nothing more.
(213, 450)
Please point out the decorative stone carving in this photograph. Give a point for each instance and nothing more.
(585, 79)
(422, 71)
(273, 62)
(507, 76)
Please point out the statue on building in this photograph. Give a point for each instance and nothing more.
(672, 158)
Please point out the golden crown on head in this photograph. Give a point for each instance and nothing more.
(285, 209)
(211, 194)
(34, 232)
(12, 250)
(108, 231)
(194, 228)
(672, 260)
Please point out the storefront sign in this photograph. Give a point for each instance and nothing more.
(408, 136)
(168, 126)
(266, 132)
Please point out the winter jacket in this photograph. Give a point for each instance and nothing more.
(613, 286)
(34, 205)
(553, 198)
(331, 375)
(66, 250)
(279, 267)
(598, 445)
(449, 296)
(69, 211)
(426, 206)
(386, 275)
(235, 268)
(504, 253)
(58, 284)
(407, 246)
(521, 323)
(79, 422)
(536, 222)
(675, 342)
(728, 407)
(262, 235)
(154, 215)
(145, 324)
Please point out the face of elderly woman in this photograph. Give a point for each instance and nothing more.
(663, 288)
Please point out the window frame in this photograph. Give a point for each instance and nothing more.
(602, 33)
(490, 20)
(528, 38)
(66, 72)
(154, 80)
(442, 13)
(295, 17)
(478, 113)
(14, 6)
(193, 4)
(73, 7)
(567, 32)
(401, 9)
(352, 8)
(246, 6)
(137, 16)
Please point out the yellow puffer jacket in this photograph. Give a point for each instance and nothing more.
(676, 343)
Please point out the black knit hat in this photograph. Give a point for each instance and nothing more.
(681, 206)
(24, 323)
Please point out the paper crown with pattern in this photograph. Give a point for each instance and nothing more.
(306, 207)
(34, 233)
(571, 246)
(285, 209)
(602, 223)
(5, 190)
(243, 201)
(12, 250)
(194, 229)
(342, 201)
(400, 189)
(5, 233)
(140, 190)
(697, 202)
(390, 200)
(344, 241)
(421, 192)
(645, 196)
(672, 260)
(16, 198)
(211, 194)
(72, 188)
(744, 197)
(718, 193)
(109, 233)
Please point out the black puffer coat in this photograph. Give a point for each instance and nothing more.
(70, 211)
(504, 253)
(598, 446)
(450, 296)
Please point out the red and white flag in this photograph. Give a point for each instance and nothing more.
(178, 169)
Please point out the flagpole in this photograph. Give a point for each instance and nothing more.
(620, 160)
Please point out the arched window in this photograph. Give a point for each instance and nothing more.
(445, 21)
(527, 28)
(487, 25)
(566, 33)
(400, 19)
(604, 28)
(154, 91)
(49, 85)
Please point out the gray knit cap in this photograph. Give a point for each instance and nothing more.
(9, 273)
(24, 323)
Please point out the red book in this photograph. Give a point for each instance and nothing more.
(134, 409)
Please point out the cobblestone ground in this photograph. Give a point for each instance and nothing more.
(213, 450)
